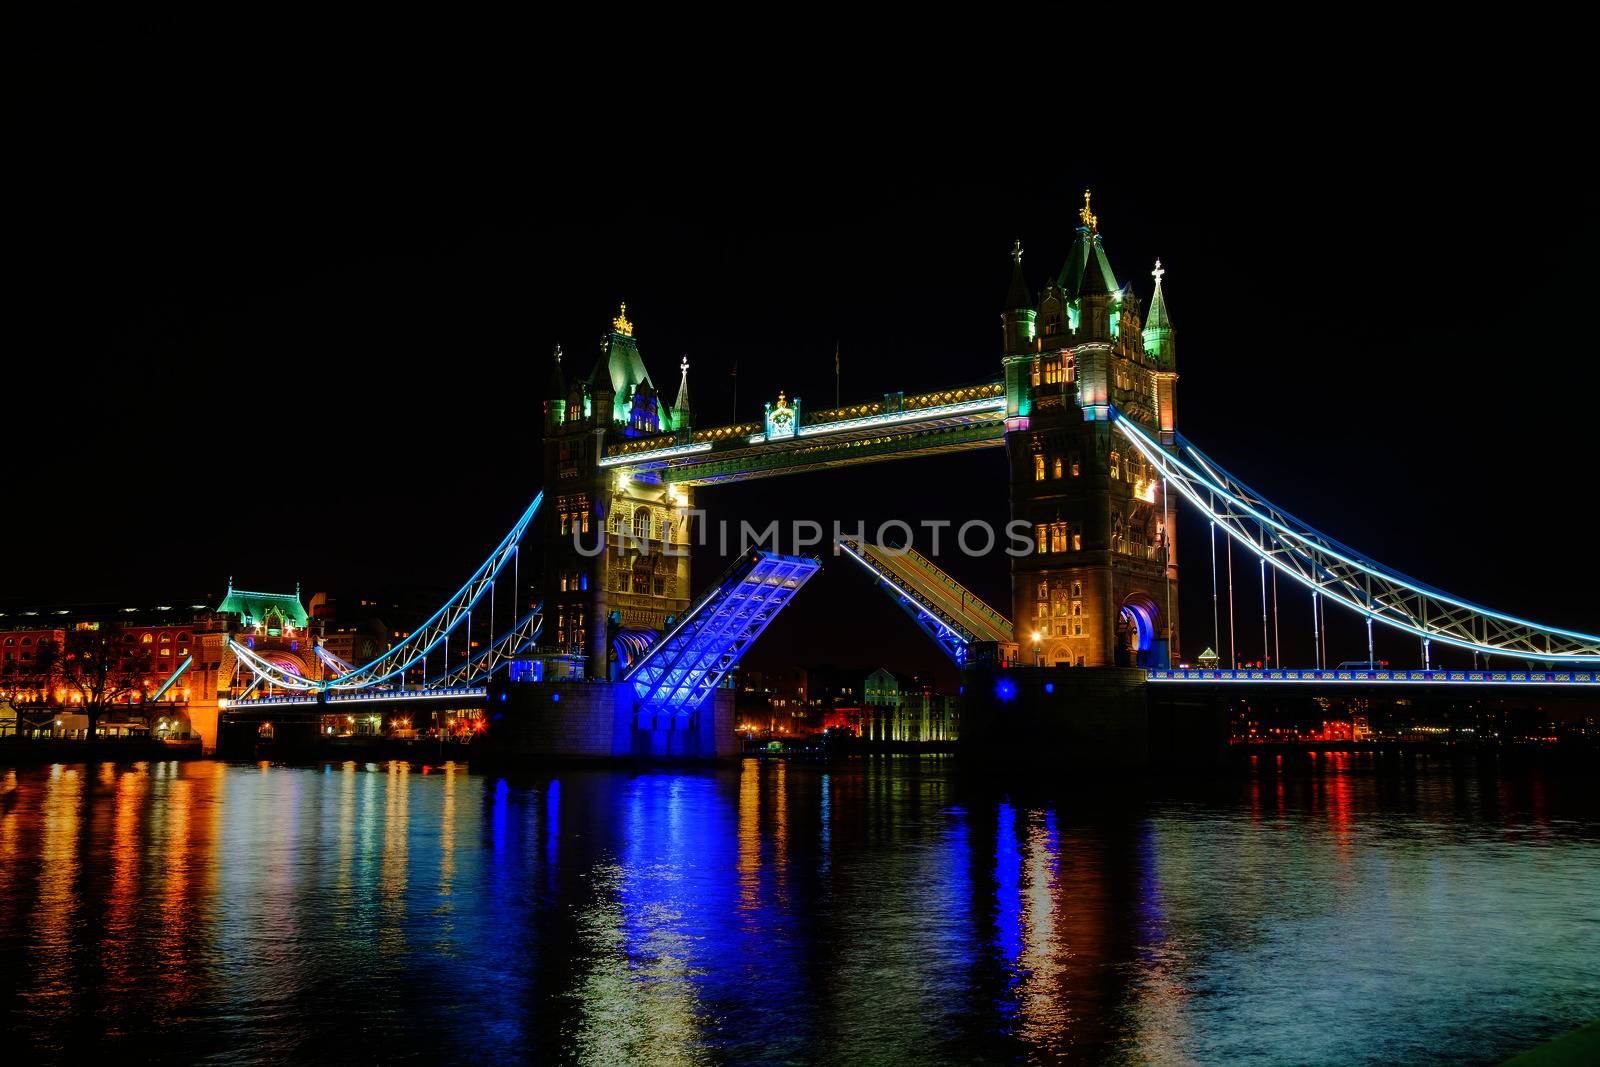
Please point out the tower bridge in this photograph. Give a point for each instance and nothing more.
(1085, 408)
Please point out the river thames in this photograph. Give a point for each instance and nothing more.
(876, 910)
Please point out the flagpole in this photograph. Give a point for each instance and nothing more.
(836, 374)
(735, 373)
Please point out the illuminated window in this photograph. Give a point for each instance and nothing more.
(566, 523)
(1042, 535)
(1058, 537)
(1038, 469)
(585, 518)
(1077, 588)
(1077, 609)
(146, 638)
(1077, 539)
(1044, 589)
(641, 523)
(1036, 371)
(1056, 470)
(1116, 464)
(1041, 609)
(1052, 371)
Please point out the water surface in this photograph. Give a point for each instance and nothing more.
(873, 911)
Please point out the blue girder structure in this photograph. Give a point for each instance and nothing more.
(188, 661)
(391, 667)
(1342, 574)
(944, 609)
(1434, 678)
(680, 671)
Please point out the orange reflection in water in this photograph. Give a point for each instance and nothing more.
(749, 837)
(56, 912)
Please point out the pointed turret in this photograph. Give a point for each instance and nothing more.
(557, 387)
(1159, 341)
(620, 370)
(1086, 268)
(683, 413)
(1017, 320)
(555, 394)
(1018, 297)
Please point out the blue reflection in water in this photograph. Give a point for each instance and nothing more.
(785, 913)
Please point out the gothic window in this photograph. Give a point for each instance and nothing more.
(1077, 588)
(1044, 589)
(641, 523)
(1038, 469)
(1058, 537)
(1041, 609)
(1040, 533)
(1055, 471)
(1077, 609)
(1116, 464)
(1077, 539)
(1052, 370)
(1074, 464)
(1036, 372)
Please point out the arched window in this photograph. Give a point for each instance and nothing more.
(166, 638)
(146, 638)
(26, 641)
(641, 523)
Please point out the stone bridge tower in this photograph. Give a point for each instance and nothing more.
(603, 603)
(1101, 585)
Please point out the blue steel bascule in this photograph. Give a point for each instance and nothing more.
(1086, 409)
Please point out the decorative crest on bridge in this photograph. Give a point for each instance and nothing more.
(782, 417)
(621, 324)
(1090, 222)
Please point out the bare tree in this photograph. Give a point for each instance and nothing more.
(97, 668)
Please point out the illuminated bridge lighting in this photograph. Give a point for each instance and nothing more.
(380, 696)
(946, 610)
(681, 670)
(1338, 677)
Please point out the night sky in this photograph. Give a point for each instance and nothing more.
(288, 364)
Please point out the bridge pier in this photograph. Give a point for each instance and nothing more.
(599, 720)
(1086, 720)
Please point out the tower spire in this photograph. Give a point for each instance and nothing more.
(1158, 332)
(1087, 217)
(682, 409)
(1018, 297)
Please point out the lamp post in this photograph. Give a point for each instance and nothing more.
(1038, 655)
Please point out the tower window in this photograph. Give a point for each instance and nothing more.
(1056, 469)
(1038, 469)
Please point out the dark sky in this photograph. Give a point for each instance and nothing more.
(279, 360)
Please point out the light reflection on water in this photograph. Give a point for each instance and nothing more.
(870, 911)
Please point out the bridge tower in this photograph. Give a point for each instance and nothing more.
(616, 547)
(1101, 585)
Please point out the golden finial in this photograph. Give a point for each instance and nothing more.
(1158, 272)
(621, 324)
(1016, 251)
(1087, 216)
(781, 401)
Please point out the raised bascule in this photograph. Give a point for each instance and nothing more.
(1085, 408)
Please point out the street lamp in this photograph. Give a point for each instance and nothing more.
(1038, 660)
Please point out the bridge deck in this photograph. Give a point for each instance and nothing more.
(1355, 677)
(681, 670)
(950, 612)
(899, 426)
